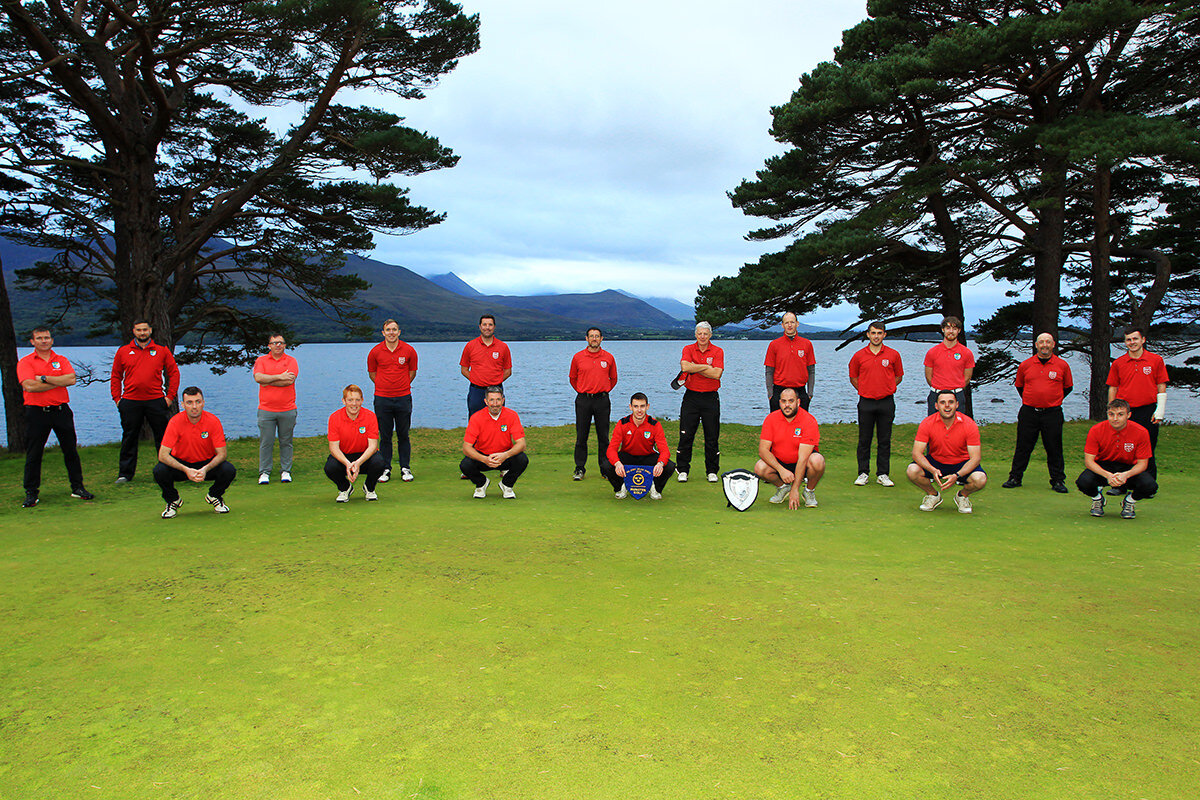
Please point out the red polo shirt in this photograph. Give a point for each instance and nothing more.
(276, 398)
(786, 435)
(1043, 384)
(948, 445)
(790, 359)
(33, 365)
(489, 435)
(141, 370)
(391, 368)
(352, 434)
(713, 357)
(646, 439)
(949, 365)
(1126, 446)
(1137, 379)
(876, 373)
(593, 372)
(486, 363)
(194, 441)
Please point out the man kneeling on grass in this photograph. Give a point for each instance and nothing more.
(193, 449)
(639, 440)
(494, 439)
(954, 453)
(787, 452)
(354, 447)
(1117, 454)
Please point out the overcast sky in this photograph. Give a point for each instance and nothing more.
(597, 141)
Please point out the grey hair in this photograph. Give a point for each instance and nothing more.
(703, 325)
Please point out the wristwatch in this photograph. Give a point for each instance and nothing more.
(42, 378)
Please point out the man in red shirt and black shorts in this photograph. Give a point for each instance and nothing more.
(486, 361)
(141, 370)
(640, 441)
(1117, 454)
(947, 451)
(392, 367)
(1139, 377)
(787, 452)
(193, 449)
(1043, 381)
(875, 372)
(495, 439)
(593, 374)
(790, 364)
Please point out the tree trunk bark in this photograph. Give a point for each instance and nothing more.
(14, 399)
(1099, 350)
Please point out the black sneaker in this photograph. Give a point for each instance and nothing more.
(82, 493)
(1059, 487)
(1011, 483)
(1127, 507)
(578, 476)
(31, 500)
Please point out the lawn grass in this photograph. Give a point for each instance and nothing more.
(567, 645)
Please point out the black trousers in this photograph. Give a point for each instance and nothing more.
(641, 461)
(514, 466)
(1142, 416)
(700, 408)
(1141, 485)
(39, 422)
(1048, 422)
(166, 477)
(588, 408)
(964, 402)
(801, 392)
(133, 413)
(875, 418)
(393, 412)
(371, 469)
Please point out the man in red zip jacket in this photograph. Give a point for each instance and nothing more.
(144, 380)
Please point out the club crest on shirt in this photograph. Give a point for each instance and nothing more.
(153, 353)
(800, 352)
(55, 365)
(495, 356)
(604, 364)
(362, 428)
(708, 361)
(1128, 447)
(886, 363)
(1146, 370)
(504, 429)
(203, 434)
(1052, 374)
(646, 434)
(403, 360)
(958, 356)
(796, 433)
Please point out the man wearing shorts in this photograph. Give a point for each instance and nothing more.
(947, 451)
(787, 452)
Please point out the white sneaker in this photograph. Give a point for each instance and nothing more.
(172, 509)
(655, 494)
(406, 474)
(217, 503)
(884, 480)
(385, 477)
(264, 478)
(367, 493)
(285, 477)
(712, 478)
(930, 502)
(862, 479)
(681, 477)
(481, 491)
(621, 493)
(810, 497)
(963, 503)
(781, 493)
(507, 492)
(344, 497)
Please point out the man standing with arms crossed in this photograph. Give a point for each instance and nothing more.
(702, 364)
(392, 366)
(495, 439)
(1117, 454)
(949, 365)
(593, 374)
(1139, 377)
(875, 372)
(44, 376)
(787, 452)
(485, 362)
(140, 371)
(1043, 381)
(790, 364)
(275, 373)
(947, 451)
(639, 441)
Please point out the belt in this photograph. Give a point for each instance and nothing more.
(48, 409)
(594, 394)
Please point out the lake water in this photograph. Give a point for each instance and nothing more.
(538, 389)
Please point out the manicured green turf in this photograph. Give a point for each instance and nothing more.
(567, 645)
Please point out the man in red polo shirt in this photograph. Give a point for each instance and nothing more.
(275, 373)
(875, 372)
(1139, 377)
(392, 367)
(787, 452)
(1117, 454)
(193, 449)
(494, 439)
(485, 362)
(702, 364)
(144, 380)
(947, 451)
(949, 364)
(44, 376)
(639, 440)
(353, 435)
(790, 364)
(593, 374)
(1043, 381)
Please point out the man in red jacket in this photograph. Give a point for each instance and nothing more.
(144, 380)
(639, 440)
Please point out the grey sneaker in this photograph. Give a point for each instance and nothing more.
(930, 501)
(781, 493)
(810, 497)
(963, 503)
(1127, 507)
(172, 508)
(217, 503)
(1098, 505)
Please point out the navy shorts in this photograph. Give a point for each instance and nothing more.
(948, 468)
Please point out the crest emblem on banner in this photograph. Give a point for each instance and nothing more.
(741, 488)
(638, 480)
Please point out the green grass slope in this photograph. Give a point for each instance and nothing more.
(567, 645)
